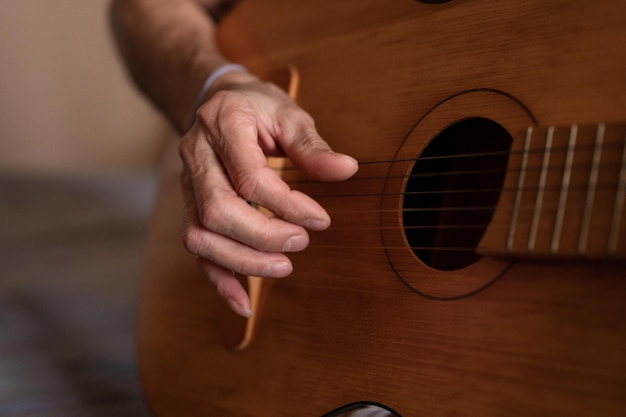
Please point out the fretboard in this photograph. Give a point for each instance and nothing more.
(563, 195)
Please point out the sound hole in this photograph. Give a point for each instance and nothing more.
(362, 409)
(452, 190)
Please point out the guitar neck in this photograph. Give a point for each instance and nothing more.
(563, 195)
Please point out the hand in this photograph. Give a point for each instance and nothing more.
(225, 169)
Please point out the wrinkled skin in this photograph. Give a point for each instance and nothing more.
(225, 169)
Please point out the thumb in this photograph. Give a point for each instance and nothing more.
(310, 153)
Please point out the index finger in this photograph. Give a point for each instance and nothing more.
(235, 139)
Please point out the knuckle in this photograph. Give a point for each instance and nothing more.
(185, 148)
(243, 267)
(307, 119)
(301, 125)
(254, 264)
(225, 112)
(247, 185)
(218, 100)
(293, 117)
(265, 237)
(192, 241)
(222, 288)
(310, 140)
(211, 213)
(225, 97)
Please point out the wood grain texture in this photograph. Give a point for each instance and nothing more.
(362, 318)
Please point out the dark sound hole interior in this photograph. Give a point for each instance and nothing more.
(452, 191)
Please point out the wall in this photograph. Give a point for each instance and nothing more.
(66, 105)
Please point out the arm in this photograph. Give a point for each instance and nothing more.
(170, 49)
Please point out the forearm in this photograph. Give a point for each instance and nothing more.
(169, 48)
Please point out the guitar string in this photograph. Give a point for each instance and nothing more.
(448, 249)
(553, 187)
(553, 150)
(314, 245)
(337, 226)
(549, 208)
(578, 165)
(548, 188)
(434, 174)
(528, 208)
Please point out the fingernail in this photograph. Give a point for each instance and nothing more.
(351, 159)
(295, 243)
(315, 224)
(239, 309)
(277, 269)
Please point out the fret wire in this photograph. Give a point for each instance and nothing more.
(591, 190)
(540, 192)
(518, 194)
(619, 204)
(567, 172)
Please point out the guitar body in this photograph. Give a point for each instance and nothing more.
(364, 317)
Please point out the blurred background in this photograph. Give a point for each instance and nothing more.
(79, 151)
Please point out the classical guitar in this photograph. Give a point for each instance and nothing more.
(475, 265)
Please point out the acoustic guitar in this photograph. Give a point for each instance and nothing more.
(475, 265)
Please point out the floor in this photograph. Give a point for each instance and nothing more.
(70, 261)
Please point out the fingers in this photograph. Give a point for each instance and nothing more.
(224, 155)
(219, 256)
(228, 287)
(280, 125)
(223, 208)
(233, 255)
(233, 137)
(230, 252)
(307, 150)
